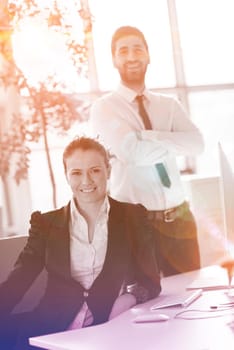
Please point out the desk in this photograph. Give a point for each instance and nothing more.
(177, 334)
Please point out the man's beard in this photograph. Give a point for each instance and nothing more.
(132, 78)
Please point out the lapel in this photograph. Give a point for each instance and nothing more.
(116, 248)
(58, 243)
(116, 224)
(107, 285)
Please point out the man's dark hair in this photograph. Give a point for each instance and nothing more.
(85, 143)
(125, 31)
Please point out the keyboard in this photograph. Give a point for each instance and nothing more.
(183, 299)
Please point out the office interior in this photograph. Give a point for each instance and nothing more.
(192, 58)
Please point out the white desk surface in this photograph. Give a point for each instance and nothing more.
(214, 333)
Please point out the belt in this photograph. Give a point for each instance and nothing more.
(168, 215)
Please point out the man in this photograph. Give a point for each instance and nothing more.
(97, 263)
(145, 131)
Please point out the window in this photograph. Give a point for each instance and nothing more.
(152, 18)
(213, 112)
(196, 64)
(206, 30)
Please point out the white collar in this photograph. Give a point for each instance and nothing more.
(129, 94)
(104, 210)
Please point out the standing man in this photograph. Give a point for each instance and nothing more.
(145, 132)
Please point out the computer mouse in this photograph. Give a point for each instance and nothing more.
(152, 317)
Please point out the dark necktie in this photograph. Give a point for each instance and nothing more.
(162, 172)
(143, 113)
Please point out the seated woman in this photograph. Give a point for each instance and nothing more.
(98, 254)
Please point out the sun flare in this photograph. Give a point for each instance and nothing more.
(38, 51)
(41, 52)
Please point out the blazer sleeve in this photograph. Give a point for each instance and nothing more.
(27, 267)
(146, 277)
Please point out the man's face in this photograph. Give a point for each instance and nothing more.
(87, 175)
(131, 58)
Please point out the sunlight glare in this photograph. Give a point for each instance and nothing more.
(41, 52)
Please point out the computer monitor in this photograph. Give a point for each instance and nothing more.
(227, 196)
(218, 278)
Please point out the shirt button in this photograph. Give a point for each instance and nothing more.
(86, 294)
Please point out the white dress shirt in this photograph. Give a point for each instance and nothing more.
(114, 118)
(87, 258)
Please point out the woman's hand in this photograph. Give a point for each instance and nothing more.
(123, 303)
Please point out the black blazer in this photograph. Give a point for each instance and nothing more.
(129, 258)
